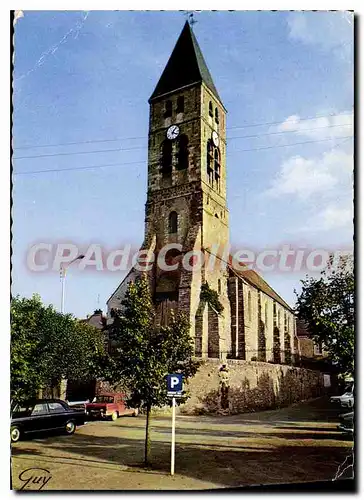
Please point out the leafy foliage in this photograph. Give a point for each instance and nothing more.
(147, 352)
(25, 375)
(327, 306)
(47, 346)
(211, 297)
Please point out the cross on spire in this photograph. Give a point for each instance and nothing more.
(190, 18)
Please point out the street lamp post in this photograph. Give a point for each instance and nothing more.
(63, 279)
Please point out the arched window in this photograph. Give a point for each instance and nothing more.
(219, 286)
(182, 155)
(279, 319)
(217, 167)
(275, 313)
(168, 109)
(180, 104)
(173, 223)
(211, 113)
(166, 160)
(249, 306)
(210, 160)
(213, 165)
(216, 115)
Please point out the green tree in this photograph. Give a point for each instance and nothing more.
(25, 378)
(211, 297)
(146, 352)
(47, 346)
(327, 306)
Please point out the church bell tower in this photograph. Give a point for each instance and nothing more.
(186, 200)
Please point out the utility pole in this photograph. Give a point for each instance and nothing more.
(62, 273)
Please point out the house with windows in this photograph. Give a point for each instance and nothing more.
(307, 347)
(187, 211)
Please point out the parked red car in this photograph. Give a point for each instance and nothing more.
(109, 405)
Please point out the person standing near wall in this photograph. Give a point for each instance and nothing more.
(224, 387)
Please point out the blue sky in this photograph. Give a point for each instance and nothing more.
(86, 76)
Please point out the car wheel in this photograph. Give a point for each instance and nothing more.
(114, 416)
(136, 412)
(15, 434)
(70, 427)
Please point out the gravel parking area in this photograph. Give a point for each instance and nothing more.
(294, 444)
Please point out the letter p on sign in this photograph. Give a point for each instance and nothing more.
(174, 382)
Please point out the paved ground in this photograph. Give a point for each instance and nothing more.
(294, 444)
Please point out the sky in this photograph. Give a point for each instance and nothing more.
(84, 77)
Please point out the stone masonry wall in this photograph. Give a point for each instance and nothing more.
(254, 386)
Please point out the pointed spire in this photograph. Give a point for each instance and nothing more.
(185, 66)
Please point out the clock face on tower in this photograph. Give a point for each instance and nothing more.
(173, 132)
(215, 139)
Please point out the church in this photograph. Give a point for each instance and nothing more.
(186, 210)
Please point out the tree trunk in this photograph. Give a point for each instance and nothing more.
(147, 438)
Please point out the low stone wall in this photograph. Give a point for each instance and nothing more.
(253, 386)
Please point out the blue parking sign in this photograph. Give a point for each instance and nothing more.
(174, 382)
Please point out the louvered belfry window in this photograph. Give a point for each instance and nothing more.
(173, 222)
(182, 155)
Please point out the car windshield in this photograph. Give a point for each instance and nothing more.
(103, 399)
(22, 410)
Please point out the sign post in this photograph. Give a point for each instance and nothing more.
(174, 389)
(173, 434)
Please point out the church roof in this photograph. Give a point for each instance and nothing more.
(185, 66)
(254, 279)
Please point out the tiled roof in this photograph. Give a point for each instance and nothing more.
(253, 278)
(185, 66)
(96, 320)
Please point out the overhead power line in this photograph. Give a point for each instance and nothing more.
(77, 168)
(79, 142)
(289, 131)
(143, 136)
(74, 153)
(286, 145)
(143, 161)
(144, 147)
(293, 120)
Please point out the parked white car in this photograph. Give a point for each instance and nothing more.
(346, 423)
(346, 400)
